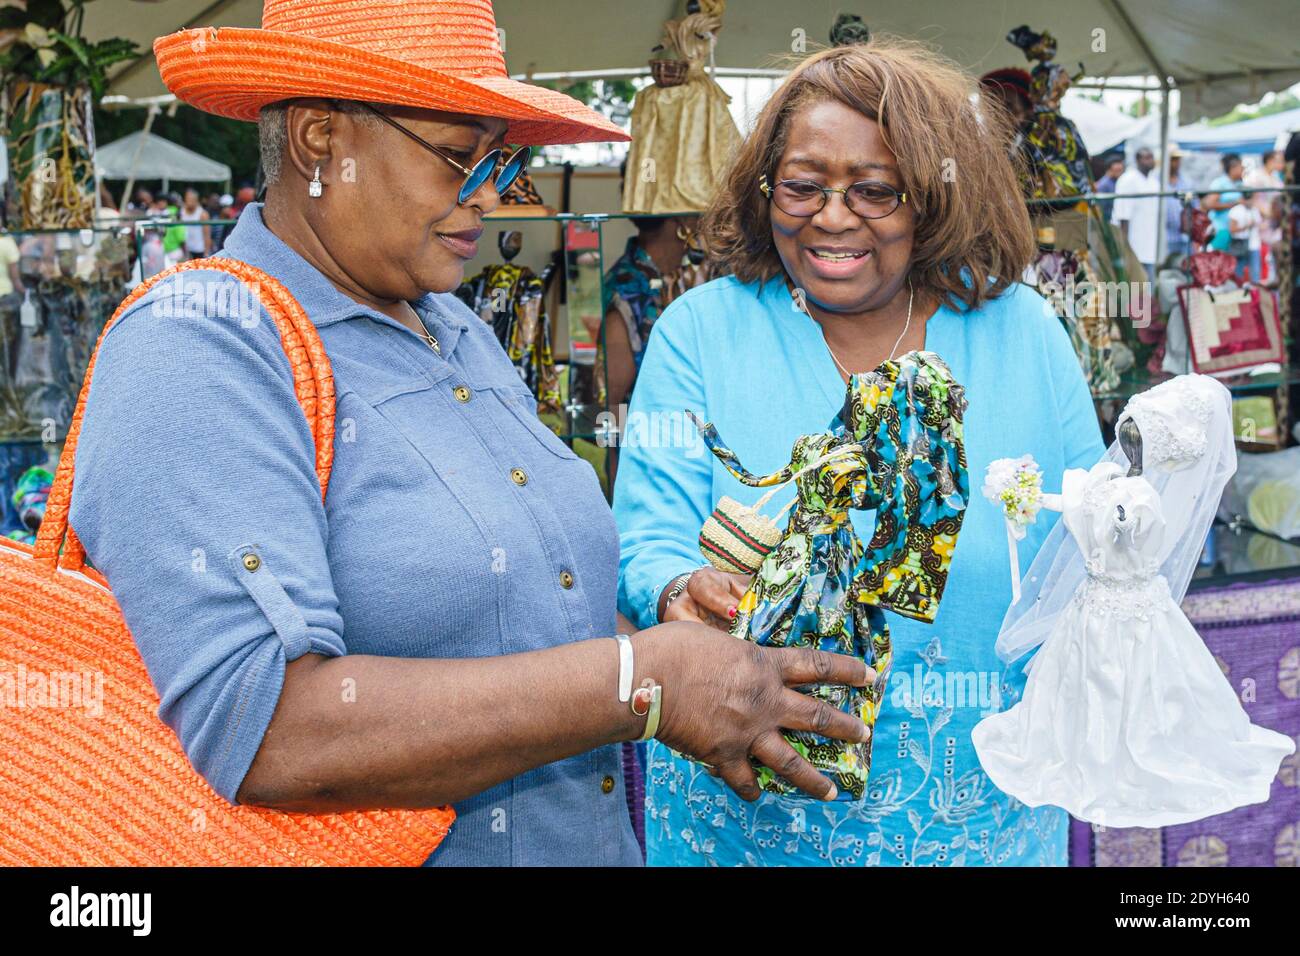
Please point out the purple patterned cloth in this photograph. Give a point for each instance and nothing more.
(634, 784)
(1253, 630)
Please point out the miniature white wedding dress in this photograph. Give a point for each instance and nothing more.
(1126, 719)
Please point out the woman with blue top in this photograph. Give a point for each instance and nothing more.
(871, 212)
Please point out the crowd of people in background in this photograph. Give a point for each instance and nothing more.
(190, 225)
(1177, 243)
(1106, 184)
(1138, 218)
(1243, 205)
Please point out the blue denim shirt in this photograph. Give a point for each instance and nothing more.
(194, 452)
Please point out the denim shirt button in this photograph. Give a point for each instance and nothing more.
(607, 785)
(518, 476)
(462, 394)
(566, 580)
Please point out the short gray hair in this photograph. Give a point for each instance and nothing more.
(273, 132)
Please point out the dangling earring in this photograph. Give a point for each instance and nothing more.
(314, 187)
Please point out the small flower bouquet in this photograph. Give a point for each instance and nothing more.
(1015, 485)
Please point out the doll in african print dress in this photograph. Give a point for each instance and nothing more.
(1056, 161)
(511, 299)
(895, 447)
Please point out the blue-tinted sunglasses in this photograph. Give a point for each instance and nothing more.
(482, 171)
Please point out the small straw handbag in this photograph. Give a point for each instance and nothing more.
(737, 537)
(110, 785)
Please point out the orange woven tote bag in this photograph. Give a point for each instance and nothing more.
(83, 788)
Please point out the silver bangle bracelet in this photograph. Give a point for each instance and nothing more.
(626, 665)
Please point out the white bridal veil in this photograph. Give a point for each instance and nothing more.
(1188, 455)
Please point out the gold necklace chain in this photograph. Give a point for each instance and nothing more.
(911, 293)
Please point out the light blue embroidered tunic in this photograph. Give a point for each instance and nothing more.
(745, 358)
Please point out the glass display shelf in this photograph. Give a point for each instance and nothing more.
(59, 288)
(1239, 553)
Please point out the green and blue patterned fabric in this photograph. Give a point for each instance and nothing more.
(896, 448)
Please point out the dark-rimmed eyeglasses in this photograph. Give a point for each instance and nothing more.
(870, 199)
(482, 170)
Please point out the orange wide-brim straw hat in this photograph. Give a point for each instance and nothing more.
(431, 54)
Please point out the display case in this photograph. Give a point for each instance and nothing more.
(57, 290)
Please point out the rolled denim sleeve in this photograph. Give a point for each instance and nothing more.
(663, 494)
(196, 496)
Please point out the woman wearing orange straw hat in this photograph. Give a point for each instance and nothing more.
(438, 624)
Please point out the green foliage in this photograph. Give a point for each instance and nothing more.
(43, 43)
(1139, 108)
(225, 140)
(613, 98)
(1280, 104)
(45, 13)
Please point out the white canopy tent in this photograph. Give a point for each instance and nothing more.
(1257, 135)
(1218, 54)
(148, 156)
(1102, 127)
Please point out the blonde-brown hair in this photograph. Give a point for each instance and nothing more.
(973, 238)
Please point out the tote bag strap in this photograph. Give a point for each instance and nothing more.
(56, 543)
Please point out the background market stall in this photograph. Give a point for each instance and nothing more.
(149, 156)
(1216, 55)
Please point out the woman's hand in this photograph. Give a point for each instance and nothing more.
(710, 598)
(726, 699)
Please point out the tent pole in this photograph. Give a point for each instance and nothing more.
(144, 139)
(1164, 171)
(1135, 35)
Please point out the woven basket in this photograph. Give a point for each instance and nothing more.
(736, 538)
(669, 72)
(84, 788)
